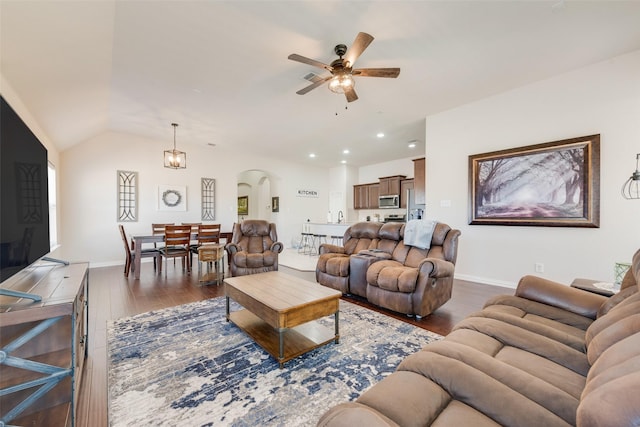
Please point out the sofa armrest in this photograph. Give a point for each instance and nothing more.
(277, 247)
(561, 296)
(326, 248)
(375, 253)
(354, 414)
(434, 267)
(232, 248)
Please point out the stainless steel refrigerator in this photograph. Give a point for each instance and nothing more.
(414, 211)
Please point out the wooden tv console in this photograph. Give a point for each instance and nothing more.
(43, 344)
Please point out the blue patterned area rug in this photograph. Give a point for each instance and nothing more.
(188, 366)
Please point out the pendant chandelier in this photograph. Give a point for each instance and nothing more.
(631, 188)
(175, 159)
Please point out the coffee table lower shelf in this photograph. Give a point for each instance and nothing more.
(296, 341)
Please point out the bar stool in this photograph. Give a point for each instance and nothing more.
(336, 240)
(316, 242)
(305, 240)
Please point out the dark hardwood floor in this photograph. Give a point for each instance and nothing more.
(111, 296)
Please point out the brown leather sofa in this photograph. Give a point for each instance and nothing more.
(551, 355)
(376, 264)
(253, 248)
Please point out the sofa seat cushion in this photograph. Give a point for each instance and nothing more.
(255, 260)
(392, 276)
(566, 334)
(514, 336)
(334, 264)
(491, 387)
(553, 373)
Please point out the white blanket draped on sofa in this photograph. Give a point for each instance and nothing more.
(418, 233)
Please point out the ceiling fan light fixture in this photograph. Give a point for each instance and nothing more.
(175, 159)
(341, 82)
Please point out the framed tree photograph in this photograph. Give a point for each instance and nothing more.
(243, 205)
(553, 184)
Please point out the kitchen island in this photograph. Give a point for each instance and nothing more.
(328, 228)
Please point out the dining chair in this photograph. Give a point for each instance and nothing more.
(194, 230)
(207, 234)
(176, 244)
(130, 254)
(157, 229)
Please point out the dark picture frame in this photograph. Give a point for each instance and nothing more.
(243, 205)
(554, 184)
(275, 204)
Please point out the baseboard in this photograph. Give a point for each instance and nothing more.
(485, 281)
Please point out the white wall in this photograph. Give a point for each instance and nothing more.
(600, 99)
(372, 173)
(89, 192)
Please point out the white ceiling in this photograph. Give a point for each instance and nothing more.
(220, 68)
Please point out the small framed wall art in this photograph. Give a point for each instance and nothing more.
(172, 198)
(243, 205)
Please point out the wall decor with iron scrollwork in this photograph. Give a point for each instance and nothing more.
(208, 186)
(127, 196)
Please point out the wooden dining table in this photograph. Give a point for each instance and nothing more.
(139, 240)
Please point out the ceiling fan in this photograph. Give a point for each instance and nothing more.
(342, 71)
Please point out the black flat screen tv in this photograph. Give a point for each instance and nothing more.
(24, 197)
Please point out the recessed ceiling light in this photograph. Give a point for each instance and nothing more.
(345, 151)
(343, 162)
(412, 144)
(312, 155)
(380, 135)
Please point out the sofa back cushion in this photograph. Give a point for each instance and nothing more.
(620, 322)
(612, 392)
(390, 234)
(444, 246)
(361, 236)
(255, 236)
(629, 286)
(632, 276)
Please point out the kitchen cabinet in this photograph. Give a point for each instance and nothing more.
(365, 196)
(360, 196)
(405, 184)
(51, 332)
(374, 195)
(419, 180)
(390, 185)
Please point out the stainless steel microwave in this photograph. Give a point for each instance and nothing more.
(389, 202)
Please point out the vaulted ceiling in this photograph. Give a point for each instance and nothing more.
(220, 68)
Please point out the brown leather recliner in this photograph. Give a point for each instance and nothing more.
(415, 281)
(375, 263)
(333, 269)
(253, 248)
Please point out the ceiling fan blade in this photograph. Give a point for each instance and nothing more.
(350, 93)
(305, 60)
(314, 85)
(359, 45)
(377, 72)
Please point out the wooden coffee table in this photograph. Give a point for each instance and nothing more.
(279, 312)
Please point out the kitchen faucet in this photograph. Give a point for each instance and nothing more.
(340, 217)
